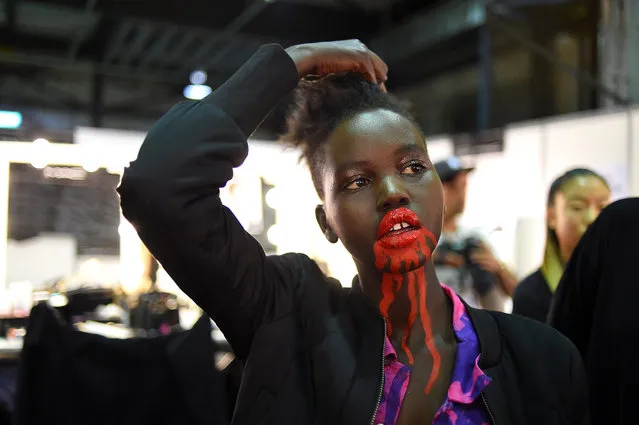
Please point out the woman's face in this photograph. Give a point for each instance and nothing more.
(576, 206)
(376, 163)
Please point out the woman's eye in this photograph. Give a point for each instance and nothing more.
(577, 207)
(414, 168)
(357, 183)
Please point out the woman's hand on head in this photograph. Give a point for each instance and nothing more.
(338, 56)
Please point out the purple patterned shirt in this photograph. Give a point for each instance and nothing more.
(463, 405)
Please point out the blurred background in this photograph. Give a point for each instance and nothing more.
(521, 89)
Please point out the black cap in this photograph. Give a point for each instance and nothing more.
(450, 168)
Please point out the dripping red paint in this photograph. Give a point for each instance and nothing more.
(403, 244)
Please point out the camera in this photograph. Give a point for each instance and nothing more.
(482, 280)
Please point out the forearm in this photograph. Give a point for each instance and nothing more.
(192, 150)
(507, 280)
(171, 195)
(257, 87)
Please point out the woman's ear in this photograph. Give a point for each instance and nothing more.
(320, 215)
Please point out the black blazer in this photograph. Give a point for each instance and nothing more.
(313, 350)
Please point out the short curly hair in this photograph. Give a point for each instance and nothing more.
(321, 105)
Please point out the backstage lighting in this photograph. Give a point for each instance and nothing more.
(58, 300)
(274, 234)
(198, 77)
(40, 161)
(273, 198)
(90, 166)
(10, 119)
(197, 89)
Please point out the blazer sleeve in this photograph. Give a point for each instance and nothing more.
(170, 194)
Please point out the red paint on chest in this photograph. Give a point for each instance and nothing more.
(397, 264)
(428, 332)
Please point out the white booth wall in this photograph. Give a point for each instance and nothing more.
(49, 257)
(506, 193)
(294, 200)
(41, 258)
(508, 190)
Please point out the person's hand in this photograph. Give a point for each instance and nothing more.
(449, 259)
(485, 259)
(338, 56)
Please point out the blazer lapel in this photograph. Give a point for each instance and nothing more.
(501, 399)
(495, 395)
(362, 398)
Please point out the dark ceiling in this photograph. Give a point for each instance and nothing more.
(122, 62)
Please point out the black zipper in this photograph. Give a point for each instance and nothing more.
(490, 414)
(381, 387)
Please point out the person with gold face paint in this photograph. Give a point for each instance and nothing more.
(575, 199)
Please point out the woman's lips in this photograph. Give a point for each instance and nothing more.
(397, 219)
(402, 239)
(399, 228)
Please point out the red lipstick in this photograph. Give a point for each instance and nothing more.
(399, 228)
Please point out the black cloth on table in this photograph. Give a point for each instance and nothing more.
(70, 377)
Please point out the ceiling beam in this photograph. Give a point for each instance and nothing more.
(457, 52)
(288, 21)
(429, 28)
(27, 105)
(118, 71)
(141, 41)
(81, 36)
(298, 22)
(11, 14)
(232, 29)
(158, 47)
(10, 41)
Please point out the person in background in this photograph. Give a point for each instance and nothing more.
(575, 199)
(595, 305)
(464, 260)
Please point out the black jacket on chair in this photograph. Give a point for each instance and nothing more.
(312, 350)
(71, 377)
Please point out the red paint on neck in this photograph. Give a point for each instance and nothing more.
(395, 260)
(428, 331)
(412, 314)
(397, 264)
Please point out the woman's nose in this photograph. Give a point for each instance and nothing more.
(591, 214)
(392, 194)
